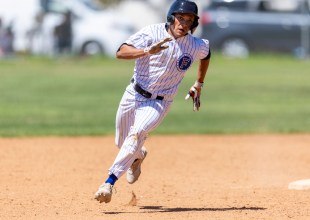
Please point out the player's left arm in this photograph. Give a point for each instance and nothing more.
(195, 90)
(202, 70)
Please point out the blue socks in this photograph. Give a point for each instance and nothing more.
(112, 179)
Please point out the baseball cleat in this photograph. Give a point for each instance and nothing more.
(134, 171)
(104, 193)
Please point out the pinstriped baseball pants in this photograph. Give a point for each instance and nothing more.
(136, 117)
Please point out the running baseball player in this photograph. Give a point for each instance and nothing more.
(163, 53)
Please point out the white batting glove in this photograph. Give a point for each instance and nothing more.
(194, 92)
(157, 47)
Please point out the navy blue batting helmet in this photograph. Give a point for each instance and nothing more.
(183, 6)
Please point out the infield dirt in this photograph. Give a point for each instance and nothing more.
(222, 177)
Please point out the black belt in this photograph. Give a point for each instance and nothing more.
(144, 93)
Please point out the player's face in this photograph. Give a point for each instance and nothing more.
(182, 24)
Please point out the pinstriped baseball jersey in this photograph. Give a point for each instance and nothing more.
(162, 73)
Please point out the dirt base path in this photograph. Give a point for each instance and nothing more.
(184, 177)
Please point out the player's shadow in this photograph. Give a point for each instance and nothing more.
(152, 209)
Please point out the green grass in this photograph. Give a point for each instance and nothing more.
(261, 94)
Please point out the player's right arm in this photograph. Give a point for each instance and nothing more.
(129, 52)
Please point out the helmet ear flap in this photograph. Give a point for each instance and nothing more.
(193, 30)
(194, 25)
(170, 19)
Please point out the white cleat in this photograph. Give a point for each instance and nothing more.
(134, 171)
(104, 193)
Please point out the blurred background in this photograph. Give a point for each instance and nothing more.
(77, 27)
(91, 27)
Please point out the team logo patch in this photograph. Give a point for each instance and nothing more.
(184, 62)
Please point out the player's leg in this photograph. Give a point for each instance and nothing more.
(149, 122)
(124, 117)
(124, 120)
(148, 116)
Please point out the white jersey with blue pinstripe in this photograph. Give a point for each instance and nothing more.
(163, 72)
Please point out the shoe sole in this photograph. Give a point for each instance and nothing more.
(103, 194)
(103, 198)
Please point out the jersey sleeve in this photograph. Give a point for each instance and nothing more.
(141, 39)
(204, 49)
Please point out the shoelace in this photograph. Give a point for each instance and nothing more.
(113, 189)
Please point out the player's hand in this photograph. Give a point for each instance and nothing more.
(194, 92)
(157, 47)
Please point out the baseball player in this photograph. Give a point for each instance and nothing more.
(163, 53)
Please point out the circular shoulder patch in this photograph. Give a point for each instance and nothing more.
(184, 62)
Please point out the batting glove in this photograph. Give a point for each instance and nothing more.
(157, 47)
(194, 92)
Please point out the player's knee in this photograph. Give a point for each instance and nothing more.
(140, 133)
(141, 136)
(131, 143)
(135, 141)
